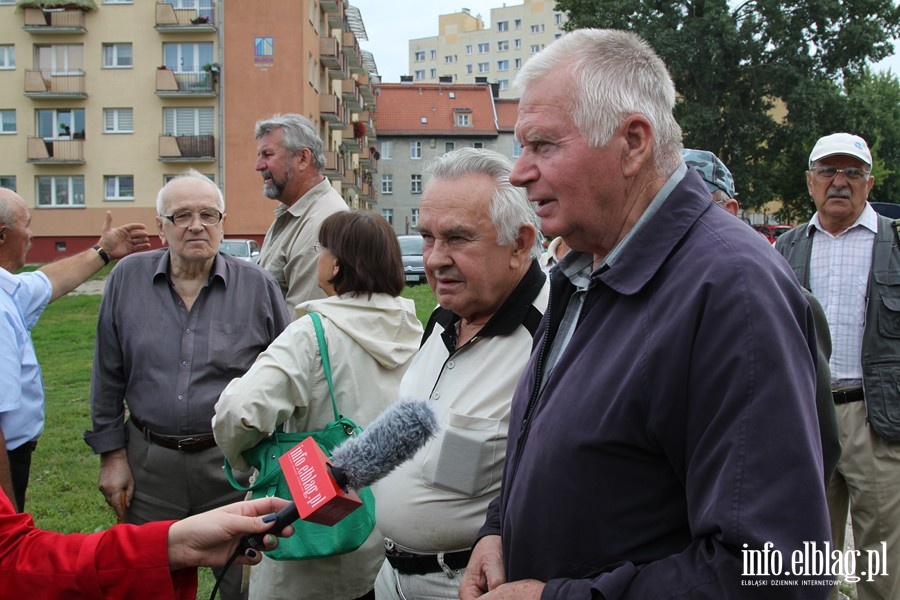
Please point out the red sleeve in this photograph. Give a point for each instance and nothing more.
(125, 561)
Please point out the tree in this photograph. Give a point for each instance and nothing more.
(759, 81)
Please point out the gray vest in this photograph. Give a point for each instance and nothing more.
(881, 336)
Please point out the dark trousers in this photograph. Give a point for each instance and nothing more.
(19, 470)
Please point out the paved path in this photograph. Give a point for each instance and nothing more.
(92, 286)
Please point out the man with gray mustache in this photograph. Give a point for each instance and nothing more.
(290, 156)
(848, 257)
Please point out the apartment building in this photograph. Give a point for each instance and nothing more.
(103, 101)
(465, 49)
(419, 121)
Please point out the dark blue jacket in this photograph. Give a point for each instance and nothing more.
(678, 425)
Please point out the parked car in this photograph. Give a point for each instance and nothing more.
(243, 249)
(772, 232)
(411, 253)
(888, 209)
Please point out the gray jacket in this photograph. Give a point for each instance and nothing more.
(881, 337)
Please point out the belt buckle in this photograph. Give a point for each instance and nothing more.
(185, 442)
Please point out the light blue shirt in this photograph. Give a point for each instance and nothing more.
(23, 298)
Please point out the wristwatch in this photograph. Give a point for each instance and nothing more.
(103, 253)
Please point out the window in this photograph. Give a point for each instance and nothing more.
(7, 57)
(60, 123)
(60, 59)
(8, 182)
(478, 144)
(468, 69)
(502, 25)
(503, 65)
(535, 48)
(449, 146)
(415, 150)
(537, 28)
(388, 214)
(557, 18)
(518, 63)
(432, 54)
(503, 84)
(414, 218)
(387, 147)
(387, 184)
(518, 23)
(449, 59)
(188, 121)
(117, 56)
(484, 48)
(483, 67)
(7, 1)
(415, 184)
(502, 45)
(464, 120)
(419, 56)
(517, 149)
(517, 43)
(432, 73)
(419, 75)
(60, 191)
(468, 49)
(119, 187)
(118, 120)
(8, 120)
(187, 57)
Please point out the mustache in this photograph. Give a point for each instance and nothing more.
(266, 174)
(837, 193)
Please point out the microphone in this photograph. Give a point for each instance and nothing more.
(321, 487)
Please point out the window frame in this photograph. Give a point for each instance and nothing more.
(118, 197)
(116, 111)
(115, 62)
(7, 57)
(387, 184)
(71, 191)
(15, 124)
(415, 183)
(415, 150)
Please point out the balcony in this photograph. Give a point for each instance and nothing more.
(334, 166)
(334, 12)
(350, 48)
(201, 84)
(330, 109)
(44, 83)
(330, 53)
(350, 95)
(185, 20)
(55, 151)
(187, 148)
(55, 21)
(365, 89)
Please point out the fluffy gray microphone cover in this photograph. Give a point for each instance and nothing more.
(390, 440)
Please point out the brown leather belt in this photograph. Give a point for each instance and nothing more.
(188, 444)
(845, 396)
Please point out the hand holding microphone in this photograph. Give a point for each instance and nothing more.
(390, 440)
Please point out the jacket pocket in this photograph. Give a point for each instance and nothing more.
(889, 312)
(883, 397)
(469, 459)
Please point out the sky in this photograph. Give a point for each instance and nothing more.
(390, 26)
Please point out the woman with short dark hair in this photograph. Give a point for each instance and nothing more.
(371, 333)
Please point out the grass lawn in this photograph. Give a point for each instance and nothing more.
(62, 493)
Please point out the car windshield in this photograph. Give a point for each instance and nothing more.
(241, 249)
(411, 245)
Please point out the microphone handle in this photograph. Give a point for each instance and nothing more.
(283, 518)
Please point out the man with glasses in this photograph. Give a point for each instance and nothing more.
(176, 325)
(847, 255)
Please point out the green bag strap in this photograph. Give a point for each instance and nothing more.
(326, 364)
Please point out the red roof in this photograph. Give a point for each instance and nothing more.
(507, 113)
(424, 109)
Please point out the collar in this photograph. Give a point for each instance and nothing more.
(511, 314)
(868, 218)
(297, 208)
(576, 265)
(218, 270)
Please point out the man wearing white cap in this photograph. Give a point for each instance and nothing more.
(848, 256)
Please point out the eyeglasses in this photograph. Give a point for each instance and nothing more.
(318, 247)
(184, 218)
(829, 173)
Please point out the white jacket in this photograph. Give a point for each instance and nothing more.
(370, 343)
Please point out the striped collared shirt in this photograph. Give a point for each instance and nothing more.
(838, 277)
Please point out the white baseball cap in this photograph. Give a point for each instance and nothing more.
(841, 143)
